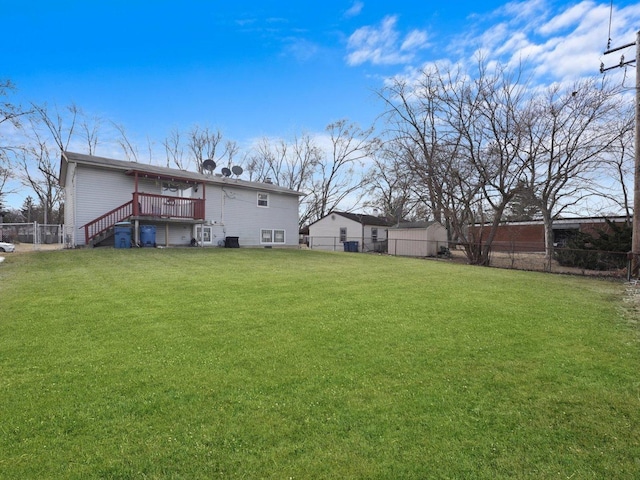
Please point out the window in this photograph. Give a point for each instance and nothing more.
(270, 236)
(263, 199)
(343, 234)
(374, 234)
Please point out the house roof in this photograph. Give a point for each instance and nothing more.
(563, 221)
(164, 173)
(414, 225)
(364, 219)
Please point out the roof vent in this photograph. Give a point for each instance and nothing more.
(268, 180)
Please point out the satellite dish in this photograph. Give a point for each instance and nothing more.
(208, 165)
(226, 172)
(237, 170)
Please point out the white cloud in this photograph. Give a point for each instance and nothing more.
(415, 39)
(383, 44)
(552, 41)
(567, 18)
(301, 49)
(557, 42)
(527, 11)
(354, 10)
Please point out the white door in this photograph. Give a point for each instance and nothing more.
(204, 235)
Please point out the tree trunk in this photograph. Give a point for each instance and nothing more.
(548, 237)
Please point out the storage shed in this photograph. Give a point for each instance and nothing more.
(417, 239)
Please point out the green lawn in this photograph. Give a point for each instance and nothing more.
(239, 363)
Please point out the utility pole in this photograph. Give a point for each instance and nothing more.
(635, 241)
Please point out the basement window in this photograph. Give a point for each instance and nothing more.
(272, 236)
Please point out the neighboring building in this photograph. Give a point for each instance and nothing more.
(418, 239)
(367, 232)
(213, 209)
(528, 236)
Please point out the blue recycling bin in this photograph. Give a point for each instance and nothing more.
(147, 235)
(122, 235)
(351, 246)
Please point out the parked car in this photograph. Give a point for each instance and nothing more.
(7, 247)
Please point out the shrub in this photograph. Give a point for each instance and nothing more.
(604, 251)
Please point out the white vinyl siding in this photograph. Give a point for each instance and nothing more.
(235, 210)
(97, 192)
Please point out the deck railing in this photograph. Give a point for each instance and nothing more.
(146, 205)
(151, 205)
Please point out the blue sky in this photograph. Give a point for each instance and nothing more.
(277, 68)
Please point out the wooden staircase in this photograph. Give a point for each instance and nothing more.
(101, 237)
(144, 205)
(101, 228)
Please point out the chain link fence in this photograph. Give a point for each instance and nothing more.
(350, 244)
(512, 255)
(33, 236)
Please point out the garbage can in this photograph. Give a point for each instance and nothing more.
(147, 235)
(231, 242)
(122, 235)
(351, 246)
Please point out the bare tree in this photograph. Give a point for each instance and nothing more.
(392, 187)
(569, 135)
(412, 110)
(5, 175)
(130, 150)
(203, 143)
(257, 161)
(39, 164)
(231, 149)
(338, 173)
(198, 145)
(11, 116)
(49, 135)
(485, 116)
(9, 112)
(619, 165)
(460, 136)
(60, 127)
(290, 164)
(174, 150)
(90, 128)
